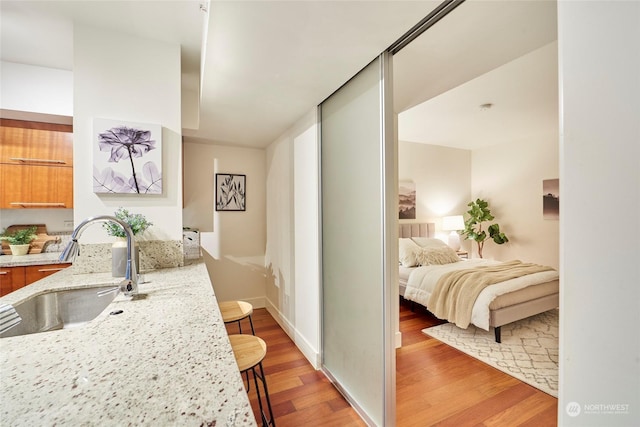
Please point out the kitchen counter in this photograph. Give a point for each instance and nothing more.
(30, 259)
(165, 360)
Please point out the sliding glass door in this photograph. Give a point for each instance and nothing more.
(358, 166)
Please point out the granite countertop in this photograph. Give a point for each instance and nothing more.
(30, 259)
(165, 360)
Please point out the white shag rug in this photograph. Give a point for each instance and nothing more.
(529, 348)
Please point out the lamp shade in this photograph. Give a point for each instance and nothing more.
(453, 223)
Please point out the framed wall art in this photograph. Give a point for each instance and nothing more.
(127, 157)
(407, 202)
(231, 192)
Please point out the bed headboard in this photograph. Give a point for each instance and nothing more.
(420, 229)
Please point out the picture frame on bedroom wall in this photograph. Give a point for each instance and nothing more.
(407, 200)
(551, 199)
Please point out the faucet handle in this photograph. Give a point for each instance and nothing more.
(127, 286)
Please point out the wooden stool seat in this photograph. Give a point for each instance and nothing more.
(249, 351)
(235, 311)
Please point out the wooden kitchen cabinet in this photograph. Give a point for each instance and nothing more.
(14, 278)
(34, 146)
(34, 273)
(11, 278)
(36, 165)
(35, 187)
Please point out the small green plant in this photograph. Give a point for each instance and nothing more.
(137, 222)
(20, 237)
(478, 213)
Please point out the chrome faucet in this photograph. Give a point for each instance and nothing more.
(129, 286)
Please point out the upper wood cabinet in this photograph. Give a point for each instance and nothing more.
(36, 165)
(35, 146)
(31, 186)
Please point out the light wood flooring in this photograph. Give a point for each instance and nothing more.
(437, 385)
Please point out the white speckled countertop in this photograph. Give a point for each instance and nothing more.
(31, 259)
(166, 360)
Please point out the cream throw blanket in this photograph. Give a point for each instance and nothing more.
(456, 292)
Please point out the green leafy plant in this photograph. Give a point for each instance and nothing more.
(478, 213)
(137, 222)
(20, 237)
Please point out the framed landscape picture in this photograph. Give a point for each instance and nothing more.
(231, 192)
(407, 202)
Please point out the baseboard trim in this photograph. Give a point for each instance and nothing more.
(258, 302)
(312, 355)
(398, 339)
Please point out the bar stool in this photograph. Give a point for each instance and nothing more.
(249, 352)
(235, 311)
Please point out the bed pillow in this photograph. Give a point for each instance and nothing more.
(437, 256)
(408, 252)
(429, 242)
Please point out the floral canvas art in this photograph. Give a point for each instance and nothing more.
(127, 157)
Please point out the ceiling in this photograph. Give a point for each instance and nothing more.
(484, 52)
(265, 64)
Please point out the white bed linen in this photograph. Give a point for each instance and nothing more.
(423, 280)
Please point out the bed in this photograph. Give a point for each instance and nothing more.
(497, 305)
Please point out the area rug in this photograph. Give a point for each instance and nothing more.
(529, 348)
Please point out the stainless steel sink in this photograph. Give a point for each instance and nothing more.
(62, 309)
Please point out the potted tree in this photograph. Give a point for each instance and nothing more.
(20, 241)
(478, 213)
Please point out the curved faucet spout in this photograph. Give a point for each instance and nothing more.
(73, 249)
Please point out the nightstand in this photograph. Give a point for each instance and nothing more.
(463, 254)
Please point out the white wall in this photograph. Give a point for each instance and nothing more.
(307, 238)
(36, 89)
(442, 177)
(117, 76)
(599, 43)
(509, 177)
(293, 286)
(233, 242)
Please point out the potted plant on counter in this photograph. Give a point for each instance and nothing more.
(20, 241)
(138, 224)
(478, 213)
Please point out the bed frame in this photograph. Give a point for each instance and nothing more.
(506, 308)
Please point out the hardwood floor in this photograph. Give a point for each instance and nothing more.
(300, 395)
(437, 385)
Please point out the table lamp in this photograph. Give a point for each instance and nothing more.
(454, 224)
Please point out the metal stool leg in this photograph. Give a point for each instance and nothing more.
(265, 422)
(271, 421)
(251, 323)
(253, 331)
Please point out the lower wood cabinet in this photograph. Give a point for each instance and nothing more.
(11, 278)
(14, 278)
